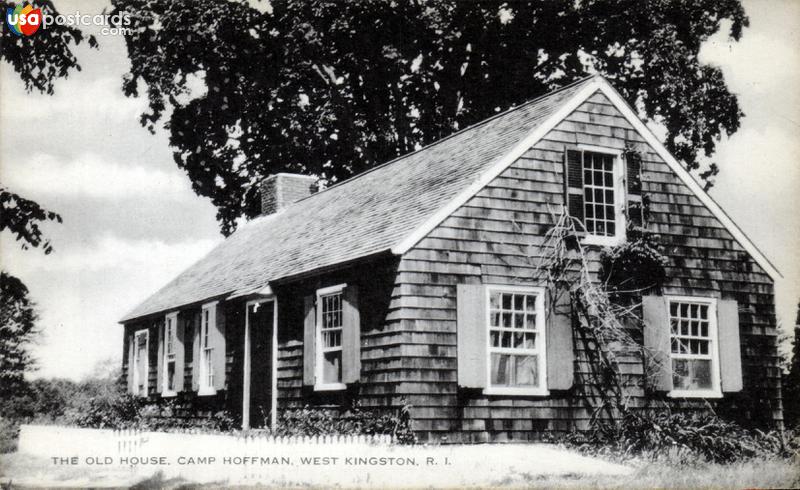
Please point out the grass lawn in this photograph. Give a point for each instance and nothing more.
(749, 474)
(23, 470)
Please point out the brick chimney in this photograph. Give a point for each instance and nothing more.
(280, 190)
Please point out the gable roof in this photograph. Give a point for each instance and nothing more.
(393, 206)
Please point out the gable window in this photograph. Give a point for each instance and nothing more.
(140, 365)
(170, 354)
(330, 322)
(694, 354)
(598, 194)
(206, 361)
(516, 341)
(595, 193)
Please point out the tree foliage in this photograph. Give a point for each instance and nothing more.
(44, 57)
(23, 218)
(17, 331)
(38, 60)
(334, 88)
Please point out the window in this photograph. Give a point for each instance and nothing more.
(330, 321)
(693, 347)
(516, 340)
(207, 319)
(140, 365)
(599, 203)
(595, 192)
(170, 357)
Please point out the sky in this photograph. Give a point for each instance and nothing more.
(132, 222)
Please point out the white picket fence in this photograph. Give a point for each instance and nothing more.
(46, 440)
(124, 458)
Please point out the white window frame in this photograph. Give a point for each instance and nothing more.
(716, 385)
(170, 327)
(135, 361)
(620, 197)
(205, 361)
(541, 342)
(319, 350)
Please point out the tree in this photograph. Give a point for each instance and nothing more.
(334, 88)
(38, 60)
(17, 331)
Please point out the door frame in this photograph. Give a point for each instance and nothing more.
(273, 362)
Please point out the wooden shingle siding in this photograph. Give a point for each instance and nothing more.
(496, 236)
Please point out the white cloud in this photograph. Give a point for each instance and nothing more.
(78, 98)
(83, 290)
(90, 176)
(759, 62)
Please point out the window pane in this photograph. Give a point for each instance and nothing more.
(494, 301)
(519, 320)
(500, 374)
(332, 367)
(530, 321)
(519, 340)
(519, 302)
(494, 319)
(526, 372)
(171, 376)
(507, 320)
(691, 374)
(530, 302)
(507, 301)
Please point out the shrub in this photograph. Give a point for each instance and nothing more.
(356, 421)
(116, 410)
(9, 431)
(683, 438)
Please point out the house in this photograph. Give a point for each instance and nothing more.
(406, 285)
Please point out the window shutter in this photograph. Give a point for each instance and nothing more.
(217, 340)
(309, 340)
(196, 353)
(179, 351)
(131, 343)
(351, 336)
(160, 359)
(730, 350)
(656, 340)
(560, 353)
(472, 336)
(633, 179)
(573, 182)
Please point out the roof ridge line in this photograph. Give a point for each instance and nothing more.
(452, 135)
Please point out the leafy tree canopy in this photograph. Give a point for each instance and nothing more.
(17, 331)
(45, 56)
(38, 60)
(334, 88)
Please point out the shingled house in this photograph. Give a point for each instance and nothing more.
(407, 285)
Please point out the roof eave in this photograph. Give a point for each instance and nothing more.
(598, 83)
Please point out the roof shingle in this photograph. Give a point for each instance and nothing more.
(361, 216)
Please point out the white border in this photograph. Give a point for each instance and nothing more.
(716, 377)
(318, 354)
(541, 330)
(598, 83)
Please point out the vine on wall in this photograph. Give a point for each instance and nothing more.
(605, 292)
